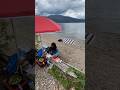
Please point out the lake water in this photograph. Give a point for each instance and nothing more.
(72, 30)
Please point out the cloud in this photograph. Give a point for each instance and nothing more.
(73, 8)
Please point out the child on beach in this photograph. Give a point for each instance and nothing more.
(53, 51)
(47, 53)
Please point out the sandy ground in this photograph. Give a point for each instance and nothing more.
(73, 55)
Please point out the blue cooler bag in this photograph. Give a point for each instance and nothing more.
(40, 52)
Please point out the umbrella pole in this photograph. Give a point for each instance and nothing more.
(13, 32)
(40, 39)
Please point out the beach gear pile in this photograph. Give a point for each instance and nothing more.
(45, 60)
(41, 61)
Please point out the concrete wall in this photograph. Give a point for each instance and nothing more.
(103, 15)
(24, 31)
(102, 55)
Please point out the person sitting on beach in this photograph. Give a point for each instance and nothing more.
(53, 51)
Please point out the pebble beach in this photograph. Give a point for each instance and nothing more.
(71, 54)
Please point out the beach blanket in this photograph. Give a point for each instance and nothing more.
(56, 59)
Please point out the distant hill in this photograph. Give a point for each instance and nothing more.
(65, 19)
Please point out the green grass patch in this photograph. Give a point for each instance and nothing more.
(66, 80)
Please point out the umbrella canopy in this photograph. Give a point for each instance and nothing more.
(13, 8)
(44, 24)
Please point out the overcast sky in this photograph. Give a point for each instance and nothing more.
(73, 8)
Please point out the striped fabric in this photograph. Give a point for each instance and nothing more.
(69, 41)
(88, 37)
